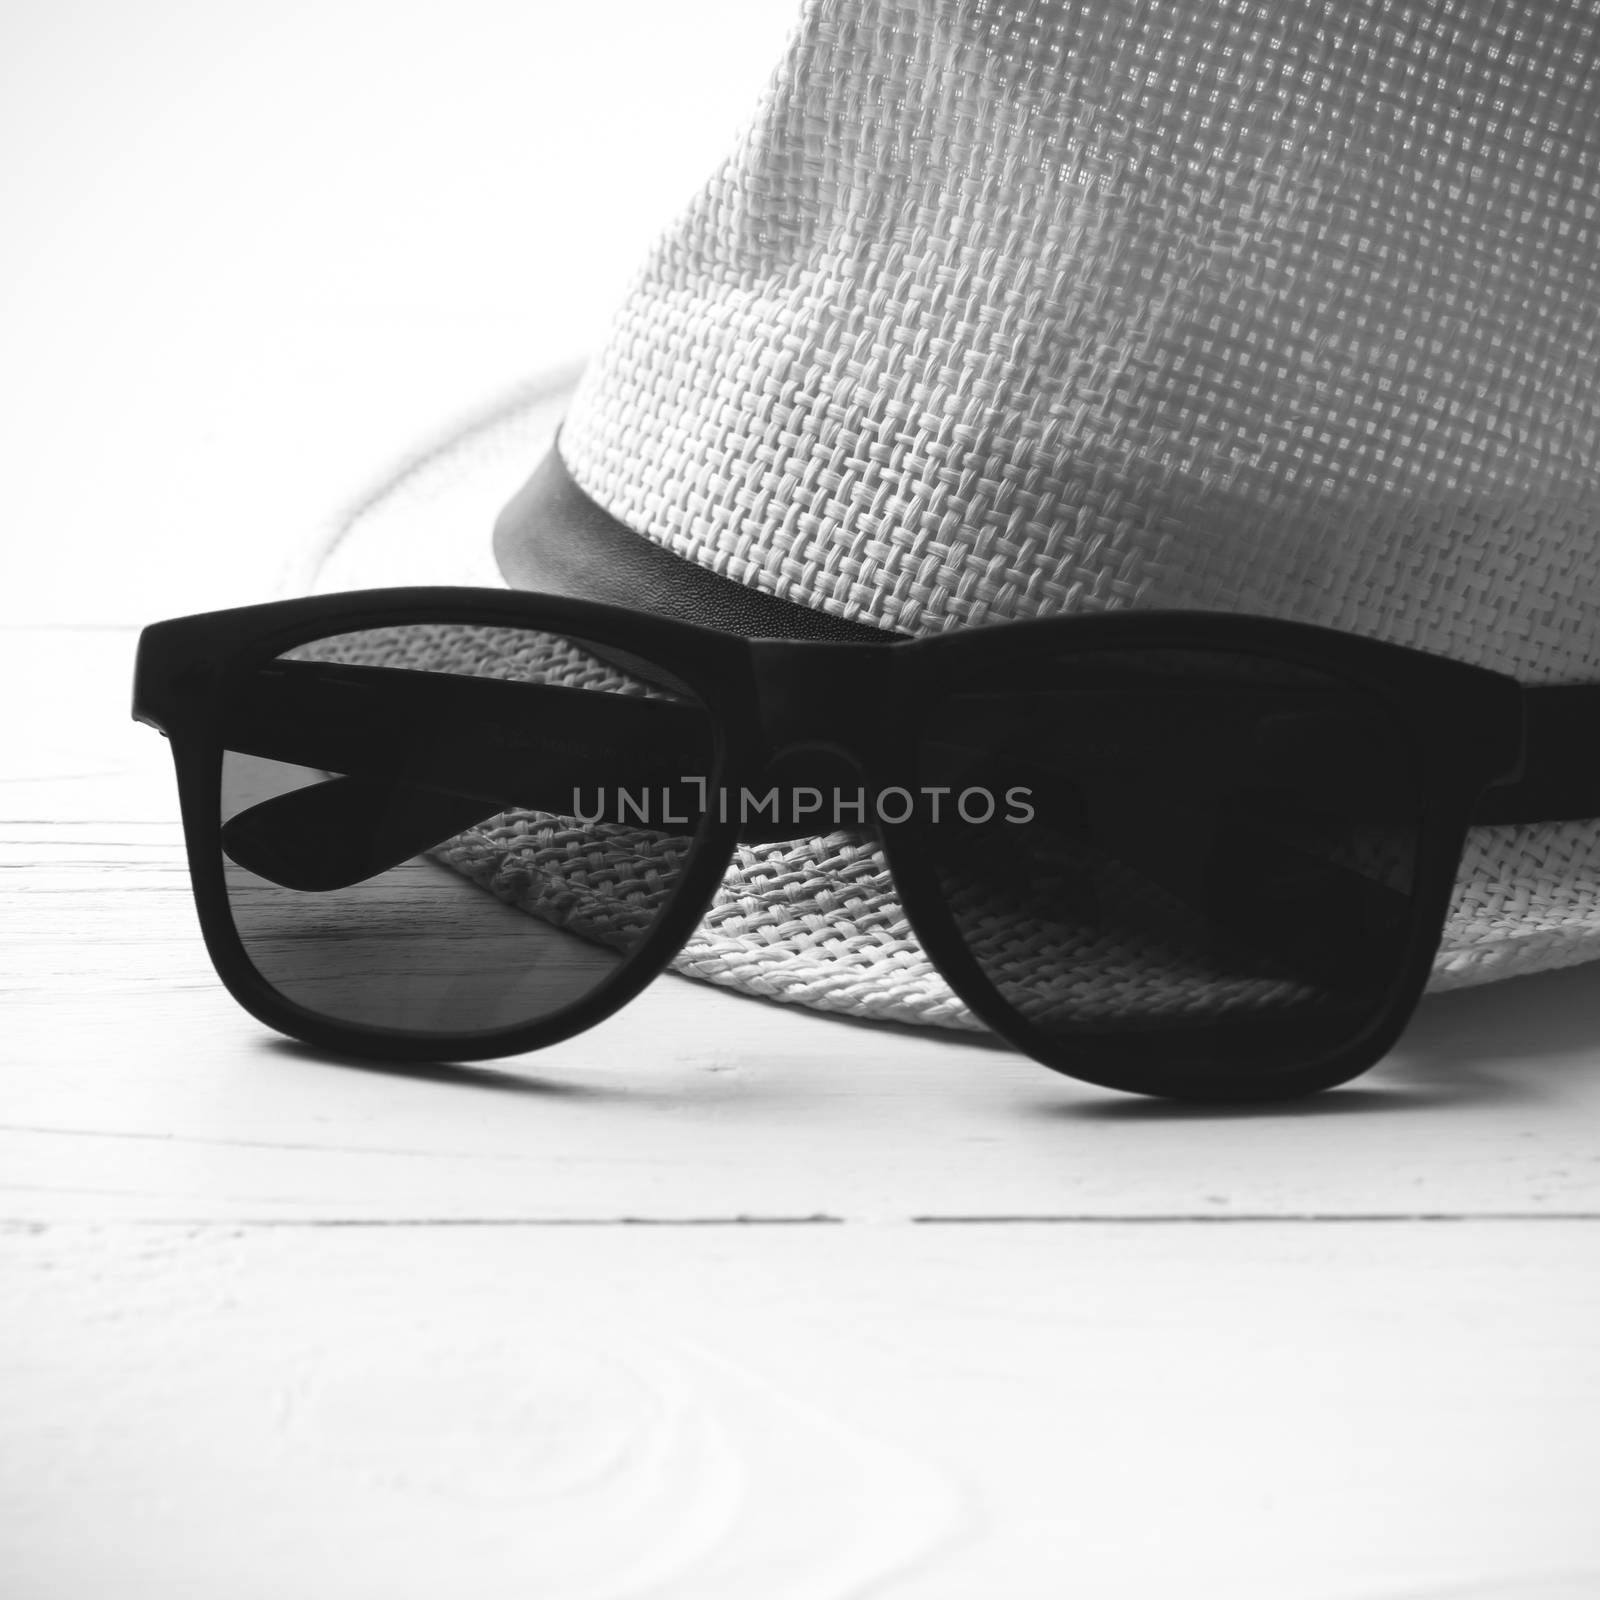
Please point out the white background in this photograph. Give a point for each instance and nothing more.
(253, 254)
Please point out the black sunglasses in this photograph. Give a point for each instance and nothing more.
(1188, 854)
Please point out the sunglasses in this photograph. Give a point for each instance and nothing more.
(1197, 855)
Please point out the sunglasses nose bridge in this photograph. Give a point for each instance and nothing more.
(820, 694)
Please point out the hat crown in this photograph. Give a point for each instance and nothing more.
(1009, 309)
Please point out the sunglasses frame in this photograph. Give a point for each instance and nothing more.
(767, 697)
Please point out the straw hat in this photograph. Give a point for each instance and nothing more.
(1007, 309)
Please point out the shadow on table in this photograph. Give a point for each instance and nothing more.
(1522, 1042)
(505, 1080)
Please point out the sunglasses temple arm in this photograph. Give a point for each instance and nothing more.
(410, 760)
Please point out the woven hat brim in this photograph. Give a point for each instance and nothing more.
(817, 924)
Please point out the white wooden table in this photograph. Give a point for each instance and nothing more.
(727, 1300)
(721, 1301)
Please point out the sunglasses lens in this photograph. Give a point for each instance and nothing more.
(1178, 856)
(452, 830)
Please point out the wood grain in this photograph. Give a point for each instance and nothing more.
(1341, 1410)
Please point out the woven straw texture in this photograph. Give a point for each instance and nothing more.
(1005, 309)
(1011, 308)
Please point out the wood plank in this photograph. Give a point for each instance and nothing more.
(796, 1413)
